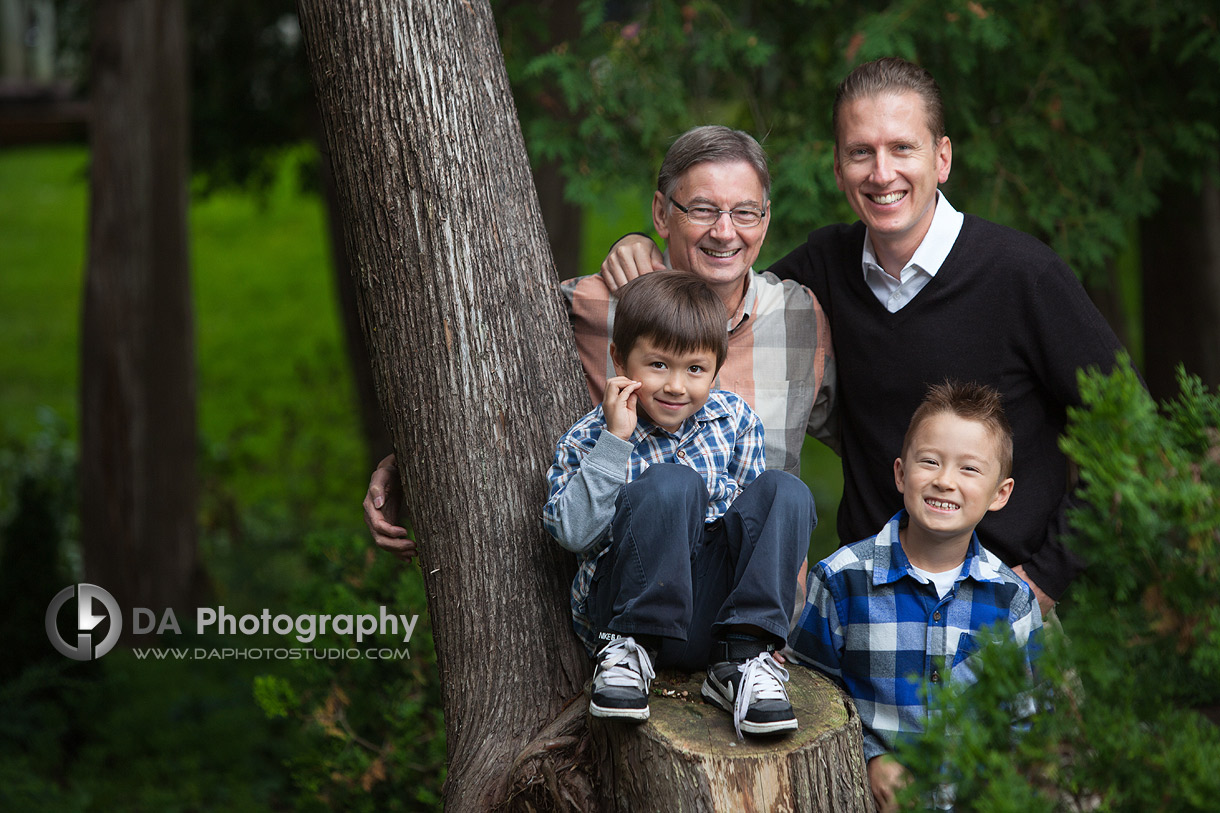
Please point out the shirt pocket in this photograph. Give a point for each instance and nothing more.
(963, 670)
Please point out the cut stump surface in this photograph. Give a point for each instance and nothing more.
(688, 758)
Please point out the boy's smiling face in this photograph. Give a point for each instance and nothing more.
(950, 477)
(675, 385)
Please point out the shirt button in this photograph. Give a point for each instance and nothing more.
(936, 615)
(935, 676)
(681, 453)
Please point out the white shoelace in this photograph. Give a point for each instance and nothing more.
(625, 663)
(761, 679)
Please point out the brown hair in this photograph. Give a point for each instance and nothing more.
(674, 309)
(892, 75)
(712, 143)
(971, 402)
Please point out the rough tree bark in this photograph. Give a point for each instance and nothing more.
(138, 444)
(377, 441)
(688, 760)
(477, 375)
(563, 225)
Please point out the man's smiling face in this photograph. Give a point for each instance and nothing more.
(888, 164)
(723, 253)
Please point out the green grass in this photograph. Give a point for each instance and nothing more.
(276, 406)
(276, 400)
(281, 457)
(42, 250)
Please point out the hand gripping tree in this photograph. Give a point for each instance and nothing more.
(476, 375)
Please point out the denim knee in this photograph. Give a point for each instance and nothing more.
(780, 486)
(668, 483)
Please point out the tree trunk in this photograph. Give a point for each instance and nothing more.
(1106, 295)
(687, 758)
(477, 376)
(1180, 248)
(476, 368)
(138, 442)
(377, 441)
(564, 220)
(537, 27)
(564, 224)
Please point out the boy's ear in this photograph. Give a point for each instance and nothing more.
(898, 474)
(1002, 493)
(620, 363)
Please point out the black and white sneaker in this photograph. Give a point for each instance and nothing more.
(753, 692)
(620, 684)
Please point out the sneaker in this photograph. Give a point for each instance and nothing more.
(620, 684)
(753, 692)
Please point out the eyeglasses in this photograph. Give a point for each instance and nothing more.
(708, 215)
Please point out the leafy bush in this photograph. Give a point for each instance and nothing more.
(1127, 685)
(374, 727)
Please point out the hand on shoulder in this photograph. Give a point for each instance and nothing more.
(630, 257)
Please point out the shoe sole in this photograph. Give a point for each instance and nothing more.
(748, 726)
(619, 714)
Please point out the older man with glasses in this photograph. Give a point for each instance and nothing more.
(712, 207)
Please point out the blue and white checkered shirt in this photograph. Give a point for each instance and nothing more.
(723, 442)
(879, 628)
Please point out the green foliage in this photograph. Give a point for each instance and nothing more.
(37, 482)
(1067, 119)
(250, 92)
(374, 729)
(977, 748)
(348, 732)
(1126, 686)
(1150, 529)
(281, 461)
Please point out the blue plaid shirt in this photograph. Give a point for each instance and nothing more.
(879, 628)
(723, 442)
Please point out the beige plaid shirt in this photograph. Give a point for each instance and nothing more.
(780, 359)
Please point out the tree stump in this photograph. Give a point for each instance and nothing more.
(688, 758)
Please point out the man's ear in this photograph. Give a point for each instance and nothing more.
(838, 171)
(620, 363)
(944, 159)
(898, 474)
(1001, 495)
(660, 221)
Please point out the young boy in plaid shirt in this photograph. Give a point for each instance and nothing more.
(910, 604)
(689, 550)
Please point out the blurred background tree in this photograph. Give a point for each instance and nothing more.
(1092, 126)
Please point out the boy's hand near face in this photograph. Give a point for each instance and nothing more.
(886, 777)
(618, 404)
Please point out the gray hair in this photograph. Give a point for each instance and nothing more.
(892, 75)
(712, 143)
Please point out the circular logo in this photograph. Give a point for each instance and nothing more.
(85, 594)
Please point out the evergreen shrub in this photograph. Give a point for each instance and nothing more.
(1128, 689)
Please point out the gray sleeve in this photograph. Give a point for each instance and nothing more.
(824, 417)
(579, 513)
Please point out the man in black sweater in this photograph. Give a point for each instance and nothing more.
(917, 293)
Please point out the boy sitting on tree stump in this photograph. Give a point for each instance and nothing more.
(689, 550)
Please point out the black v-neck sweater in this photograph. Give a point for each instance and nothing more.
(1002, 310)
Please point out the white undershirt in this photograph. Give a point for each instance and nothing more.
(892, 293)
(943, 581)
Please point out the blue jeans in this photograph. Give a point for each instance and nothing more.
(668, 574)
